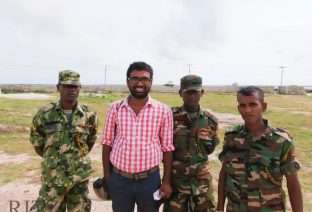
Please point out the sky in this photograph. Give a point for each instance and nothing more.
(224, 41)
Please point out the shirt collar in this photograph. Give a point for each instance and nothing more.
(149, 103)
(267, 132)
(78, 108)
(200, 112)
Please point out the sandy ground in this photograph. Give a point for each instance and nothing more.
(16, 159)
(19, 195)
(227, 119)
(10, 128)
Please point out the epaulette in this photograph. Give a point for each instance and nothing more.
(210, 116)
(234, 129)
(48, 107)
(283, 133)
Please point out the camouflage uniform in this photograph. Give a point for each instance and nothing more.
(255, 167)
(192, 147)
(63, 144)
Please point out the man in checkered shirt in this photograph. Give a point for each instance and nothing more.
(137, 136)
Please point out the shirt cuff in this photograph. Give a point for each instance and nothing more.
(169, 148)
(290, 167)
(107, 142)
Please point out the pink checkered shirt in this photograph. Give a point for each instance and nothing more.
(138, 141)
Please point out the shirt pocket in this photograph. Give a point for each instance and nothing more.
(52, 132)
(271, 171)
(51, 128)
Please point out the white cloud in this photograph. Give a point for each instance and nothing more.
(225, 41)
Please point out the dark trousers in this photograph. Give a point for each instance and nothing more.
(125, 192)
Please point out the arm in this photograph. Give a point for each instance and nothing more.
(209, 139)
(105, 161)
(165, 187)
(166, 141)
(211, 143)
(37, 137)
(221, 189)
(93, 125)
(107, 140)
(215, 138)
(295, 194)
(290, 167)
(208, 135)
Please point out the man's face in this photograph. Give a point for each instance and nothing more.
(251, 108)
(139, 83)
(191, 98)
(68, 93)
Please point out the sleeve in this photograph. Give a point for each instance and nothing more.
(166, 132)
(108, 133)
(93, 126)
(224, 150)
(289, 164)
(37, 137)
(213, 141)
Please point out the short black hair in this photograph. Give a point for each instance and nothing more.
(139, 66)
(251, 90)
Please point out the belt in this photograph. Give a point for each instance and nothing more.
(136, 176)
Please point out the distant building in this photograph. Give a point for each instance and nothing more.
(291, 90)
(308, 89)
(169, 84)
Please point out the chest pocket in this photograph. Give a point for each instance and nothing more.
(51, 128)
(52, 131)
(266, 161)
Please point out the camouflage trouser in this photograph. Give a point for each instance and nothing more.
(180, 202)
(58, 199)
(243, 207)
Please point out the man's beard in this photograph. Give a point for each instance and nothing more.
(139, 95)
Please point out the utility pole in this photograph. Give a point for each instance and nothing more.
(189, 68)
(282, 90)
(282, 74)
(105, 74)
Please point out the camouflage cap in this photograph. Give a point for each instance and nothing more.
(69, 77)
(191, 82)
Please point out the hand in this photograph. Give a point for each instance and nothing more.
(203, 133)
(204, 173)
(165, 190)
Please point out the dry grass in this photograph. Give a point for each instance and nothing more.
(290, 112)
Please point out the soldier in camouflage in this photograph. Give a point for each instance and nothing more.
(255, 158)
(195, 137)
(62, 134)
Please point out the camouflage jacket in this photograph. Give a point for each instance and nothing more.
(255, 167)
(194, 138)
(64, 143)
